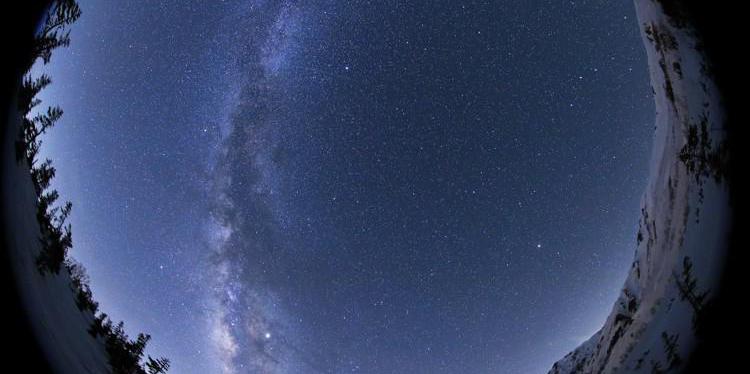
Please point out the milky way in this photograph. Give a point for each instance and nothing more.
(341, 223)
(250, 324)
(374, 187)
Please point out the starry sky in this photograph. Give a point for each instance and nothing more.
(354, 186)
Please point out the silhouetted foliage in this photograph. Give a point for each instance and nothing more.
(101, 325)
(55, 31)
(42, 176)
(80, 283)
(670, 349)
(33, 128)
(56, 237)
(125, 355)
(29, 89)
(687, 286)
(702, 158)
(664, 42)
(656, 368)
(157, 366)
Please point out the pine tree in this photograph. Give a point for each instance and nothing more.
(687, 286)
(42, 176)
(157, 366)
(55, 32)
(670, 349)
(29, 89)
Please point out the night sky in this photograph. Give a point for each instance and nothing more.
(373, 187)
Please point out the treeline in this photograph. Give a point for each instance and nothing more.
(125, 354)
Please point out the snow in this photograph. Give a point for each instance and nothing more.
(649, 303)
(675, 222)
(60, 327)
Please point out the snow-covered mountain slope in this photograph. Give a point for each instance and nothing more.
(49, 300)
(682, 236)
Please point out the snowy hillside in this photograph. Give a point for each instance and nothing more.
(60, 326)
(681, 240)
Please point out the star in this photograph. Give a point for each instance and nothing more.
(433, 194)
